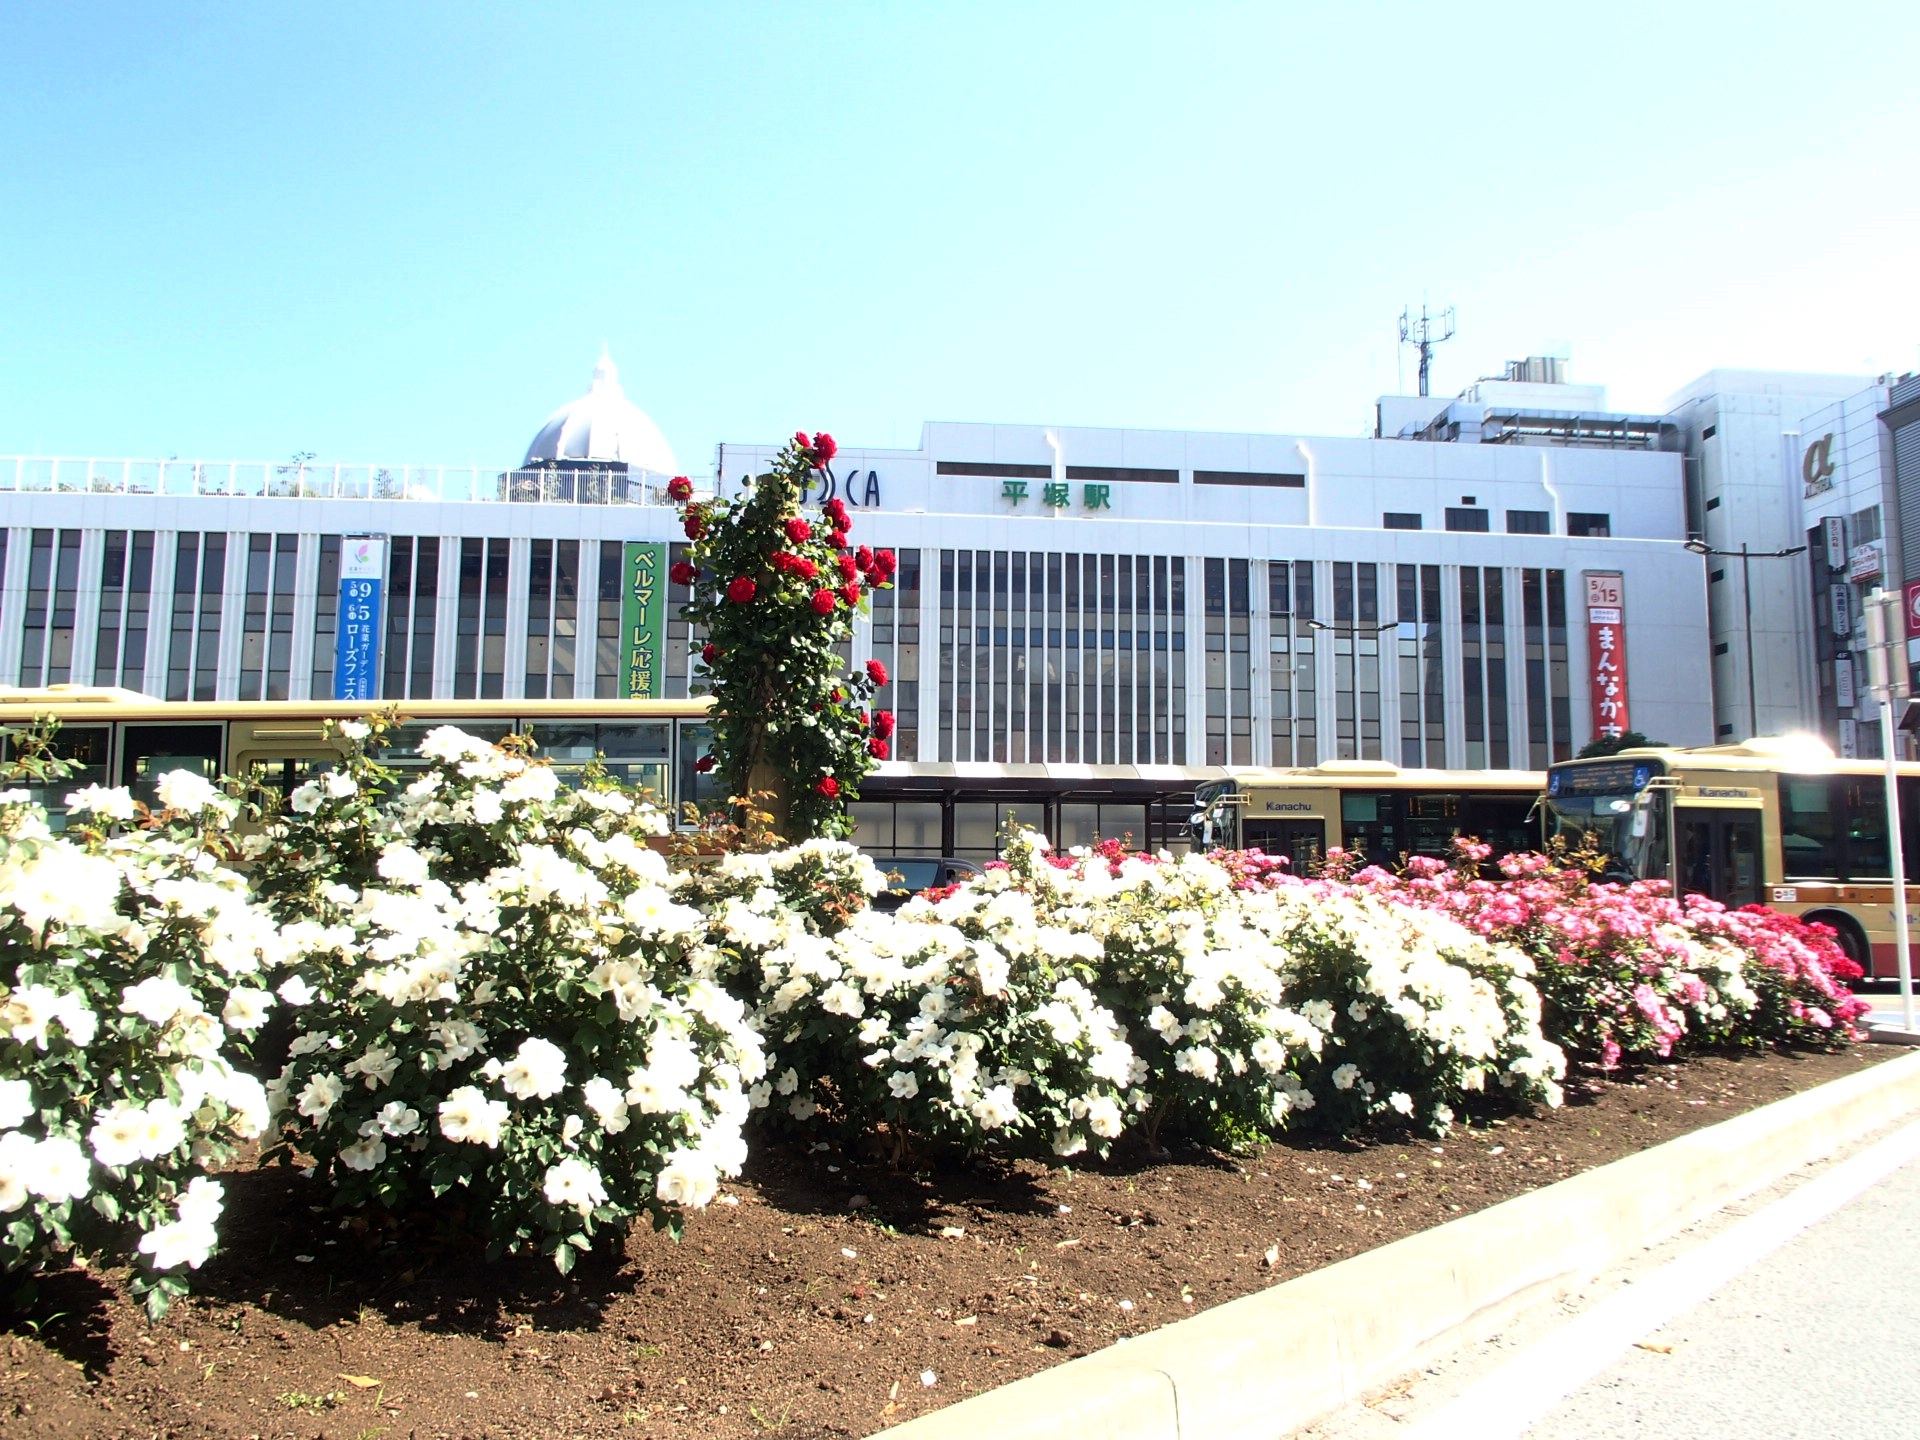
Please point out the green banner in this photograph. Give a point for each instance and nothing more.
(642, 620)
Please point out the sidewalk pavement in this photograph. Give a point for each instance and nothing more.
(1269, 1364)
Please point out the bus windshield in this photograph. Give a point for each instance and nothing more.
(1610, 808)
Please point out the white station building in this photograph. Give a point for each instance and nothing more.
(1490, 582)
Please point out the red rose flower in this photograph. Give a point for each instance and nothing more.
(800, 439)
(836, 511)
(799, 531)
(782, 561)
(823, 448)
(742, 590)
(847, 568)
(703, 764)
(709, 652)
(823, 602)
(863, 557)
(805, 568)
(883, 723)
(850, 593)
(876, 672)
(679, 488)
(682, 573)
(878, 748)
(828, 787)
(839, 539)
(883, 561)
(695, 525)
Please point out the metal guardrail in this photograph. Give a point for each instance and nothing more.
(308, 480)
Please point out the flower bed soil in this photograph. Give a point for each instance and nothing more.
(818, 1303)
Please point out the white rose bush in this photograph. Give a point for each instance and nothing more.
(134, 964)
(498, 1015)
(502, 1011)
(881, 1027)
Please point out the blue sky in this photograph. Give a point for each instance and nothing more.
(401, 233)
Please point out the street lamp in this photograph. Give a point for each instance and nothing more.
(1353, 629)
(1744, 555)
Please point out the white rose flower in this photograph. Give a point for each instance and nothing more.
(201, 1202)
(576, 1183)
(1345, 1076)
(16, 1156)
(119, 1135)
(109, 804)
(296, 991)
(178, 1243)
(537, 783)
(365, 1153)
(689, 1179)
(320, 1095)
(31, 1010)
(538, 1070)
(468, 1115)
(339, 785)
(1199, 1061)
(355, 729)
(246, 1008)
(158, 999)
(185, 791)
(604, 1098)
(398, 1118)
(1104, 1117)
(58, 1170)
(305, 799)
(1401, 1101)
(403, 865)
(16, 1103)
(903, 1084)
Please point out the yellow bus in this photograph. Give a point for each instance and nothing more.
(1370, 808)
(1777, 821)
(120, 737)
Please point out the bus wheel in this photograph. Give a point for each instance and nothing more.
(1849, 936)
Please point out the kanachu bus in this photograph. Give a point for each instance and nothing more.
(120, 737)
(1776, 820)
(1371, 808)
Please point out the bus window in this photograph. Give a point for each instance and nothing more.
(1367, 829)
(1303, 842)
(705, 791)
(1811, 844)
(148, 752)
(84, 748)
(280, 777)
(635, 754)
(1864, 802)
(403, 750)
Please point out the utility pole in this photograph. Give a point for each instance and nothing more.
(1887, 678)
(1419, 334)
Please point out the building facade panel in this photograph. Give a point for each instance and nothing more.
(1064, 597)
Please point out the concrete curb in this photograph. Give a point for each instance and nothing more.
(1268, 1364)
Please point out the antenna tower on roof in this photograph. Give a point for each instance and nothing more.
(1419, 334)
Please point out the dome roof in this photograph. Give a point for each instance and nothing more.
(603, 425)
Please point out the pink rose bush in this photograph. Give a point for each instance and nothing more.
(1627, 971)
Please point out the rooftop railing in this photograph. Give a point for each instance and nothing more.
(310, 480)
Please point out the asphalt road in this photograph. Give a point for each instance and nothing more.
(1791, 1315)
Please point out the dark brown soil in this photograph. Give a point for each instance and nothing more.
(829, 1298)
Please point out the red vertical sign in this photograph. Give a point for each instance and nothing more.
(1607, 654)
